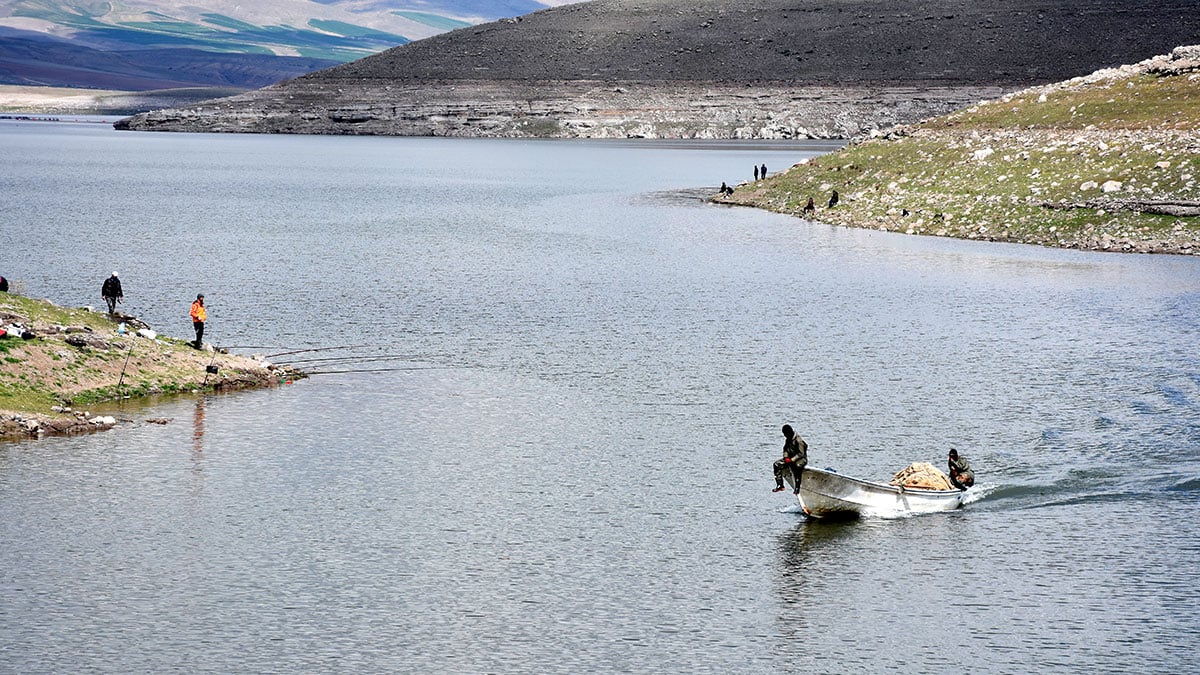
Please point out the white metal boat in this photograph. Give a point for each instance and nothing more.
(827, 493)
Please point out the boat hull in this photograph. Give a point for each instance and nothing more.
(828, 494)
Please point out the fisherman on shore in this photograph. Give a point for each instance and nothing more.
(755, 172)
(810, 208)
(833, 199)
(763, 171)
(795, 455)
(199, 316)
(112, 293)
(3, 285)
(961, 474)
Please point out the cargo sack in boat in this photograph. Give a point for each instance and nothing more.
(922, 475)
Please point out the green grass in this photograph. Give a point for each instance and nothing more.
(989, 171)
(19, 397)
(40, 311)
(1141, 102)
(37, 374)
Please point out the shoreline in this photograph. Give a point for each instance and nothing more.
(1105, 162)
(62, 361)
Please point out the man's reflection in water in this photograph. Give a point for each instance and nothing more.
(198, 442)
(807, 554)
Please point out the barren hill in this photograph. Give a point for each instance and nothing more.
(706, 68)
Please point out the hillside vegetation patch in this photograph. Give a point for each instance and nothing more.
(1107, 162)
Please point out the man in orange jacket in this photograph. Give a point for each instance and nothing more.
(199, 316)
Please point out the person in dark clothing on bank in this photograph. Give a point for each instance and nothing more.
(111, 292)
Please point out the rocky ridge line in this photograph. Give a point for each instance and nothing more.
(682, 69)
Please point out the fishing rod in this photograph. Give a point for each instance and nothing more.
(210, 369)
(314, 349)
(350, 359)
(127, 355)
(375, 370)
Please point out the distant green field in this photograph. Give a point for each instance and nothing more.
(47, 11)
(351, 30)
(327, 40)
(433, 20)
(229, 22)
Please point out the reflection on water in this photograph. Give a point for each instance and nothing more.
(198, 441)
(198, 427)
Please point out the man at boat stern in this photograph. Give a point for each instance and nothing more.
(795, 455)
(961, 474)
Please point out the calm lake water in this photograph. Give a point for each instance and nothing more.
(552, 450)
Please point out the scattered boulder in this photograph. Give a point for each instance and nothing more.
(87, 340)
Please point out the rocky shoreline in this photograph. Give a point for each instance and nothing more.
(564, 109)
(1105, 162)
(57, 362)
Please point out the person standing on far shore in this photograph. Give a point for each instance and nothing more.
(763, 171)
(199, 316)
(755, 172)
(111, 292)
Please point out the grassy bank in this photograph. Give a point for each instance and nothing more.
(77, 358)
(1106, 162)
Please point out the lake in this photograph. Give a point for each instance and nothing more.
(544, 441)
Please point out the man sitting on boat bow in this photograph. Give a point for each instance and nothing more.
(795, 454)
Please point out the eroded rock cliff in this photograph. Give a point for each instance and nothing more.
(704, 69)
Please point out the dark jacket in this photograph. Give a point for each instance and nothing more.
(111, 288)
(960, 473)
(796, 449)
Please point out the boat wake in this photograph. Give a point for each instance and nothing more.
(978, 492)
